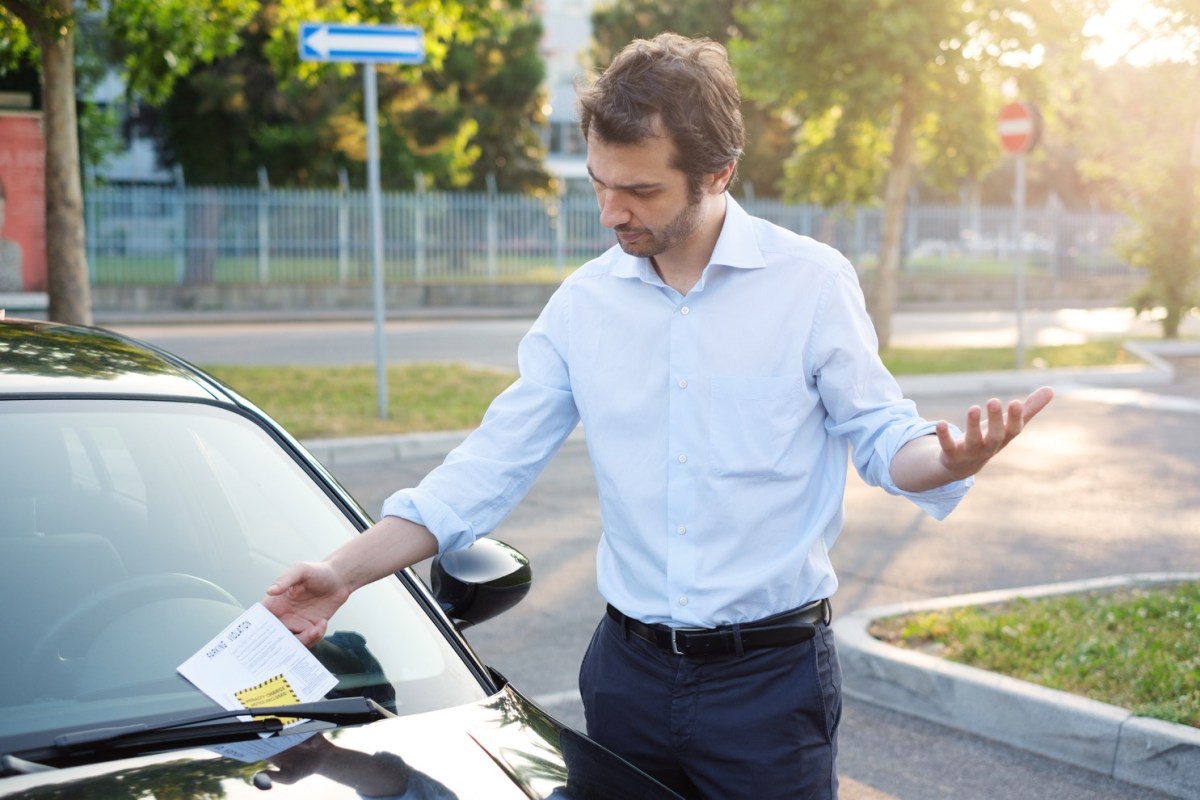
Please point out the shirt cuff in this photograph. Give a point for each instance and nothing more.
(451, 531)
(937, 502)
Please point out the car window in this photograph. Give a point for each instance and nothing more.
(131, 532)
(100, 459)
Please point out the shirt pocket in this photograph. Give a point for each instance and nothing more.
(754, 424)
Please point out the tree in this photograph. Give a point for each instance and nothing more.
(472, 114)
(880, 88)
(50, 27)
(1142, 147)
(617, 24)
(165, 38)
(498, 80)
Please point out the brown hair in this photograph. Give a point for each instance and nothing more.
(686, 86)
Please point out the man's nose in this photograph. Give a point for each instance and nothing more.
(613, 211)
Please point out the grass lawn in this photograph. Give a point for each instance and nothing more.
(1134, 648)
(920, 361)
(321, 402)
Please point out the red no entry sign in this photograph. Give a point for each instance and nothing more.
(1019, 126)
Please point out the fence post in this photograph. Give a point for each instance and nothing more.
(343, 226)
(1093, 235)
(90, 231)
(264, 226)
(558, 217)
(970, 225)
(419, 229)
(860, 235)
(181, 236)
(911, 229)
(493, 229)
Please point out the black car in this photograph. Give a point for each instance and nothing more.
(143, 506)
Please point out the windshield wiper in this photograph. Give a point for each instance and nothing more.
(11, 765)
(207, 728)
(340, 711)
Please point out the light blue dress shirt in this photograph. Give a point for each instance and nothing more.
(719, 426)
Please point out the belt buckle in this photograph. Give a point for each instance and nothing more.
(675, 638)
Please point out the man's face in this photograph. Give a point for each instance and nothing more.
(642, 198)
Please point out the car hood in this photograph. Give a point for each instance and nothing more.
(498, 749)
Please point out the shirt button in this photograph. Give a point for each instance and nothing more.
(682, 459)
(681, 530)
(683, 383)
(685, 311)
(683, 601)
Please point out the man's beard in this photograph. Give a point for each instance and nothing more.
(652, 243)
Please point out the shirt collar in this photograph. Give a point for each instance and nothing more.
(736, 247)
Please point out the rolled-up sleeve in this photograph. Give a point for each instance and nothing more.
(865, 404)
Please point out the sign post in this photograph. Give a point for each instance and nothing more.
(1019, 127)
(368, 45)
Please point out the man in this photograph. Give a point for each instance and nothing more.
(722, 368)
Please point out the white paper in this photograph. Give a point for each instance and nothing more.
(256, 661)
(253, 750)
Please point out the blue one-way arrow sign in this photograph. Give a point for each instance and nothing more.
(377, 44)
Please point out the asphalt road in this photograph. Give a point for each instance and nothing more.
(1103, 483)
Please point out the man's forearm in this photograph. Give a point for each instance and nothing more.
(388, 546)
(918, 466)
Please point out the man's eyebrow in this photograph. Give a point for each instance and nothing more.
(628, 187)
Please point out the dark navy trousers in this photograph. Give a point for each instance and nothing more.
(761, 725)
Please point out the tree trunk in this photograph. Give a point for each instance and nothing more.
(203, 237)
(883, 286)
(66, 255)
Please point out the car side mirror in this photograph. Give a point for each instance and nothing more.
(480, 582)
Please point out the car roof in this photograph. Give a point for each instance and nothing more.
(46, 359)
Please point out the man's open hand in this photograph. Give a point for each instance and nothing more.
(925, 463)
(983, 438)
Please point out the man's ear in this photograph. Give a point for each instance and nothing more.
(719, 181)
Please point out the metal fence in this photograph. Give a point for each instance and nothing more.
(197, 235)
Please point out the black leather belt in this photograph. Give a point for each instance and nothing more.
(790, 627)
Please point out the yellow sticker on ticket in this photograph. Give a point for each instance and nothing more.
(271, 692)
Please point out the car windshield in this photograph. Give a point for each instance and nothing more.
(133, 531)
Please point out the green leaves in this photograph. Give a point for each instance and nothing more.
(159, 40)
(840, 68)
(1138, 136)
(14, 40)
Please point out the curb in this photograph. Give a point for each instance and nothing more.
(400, 447)
(1096, 736)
